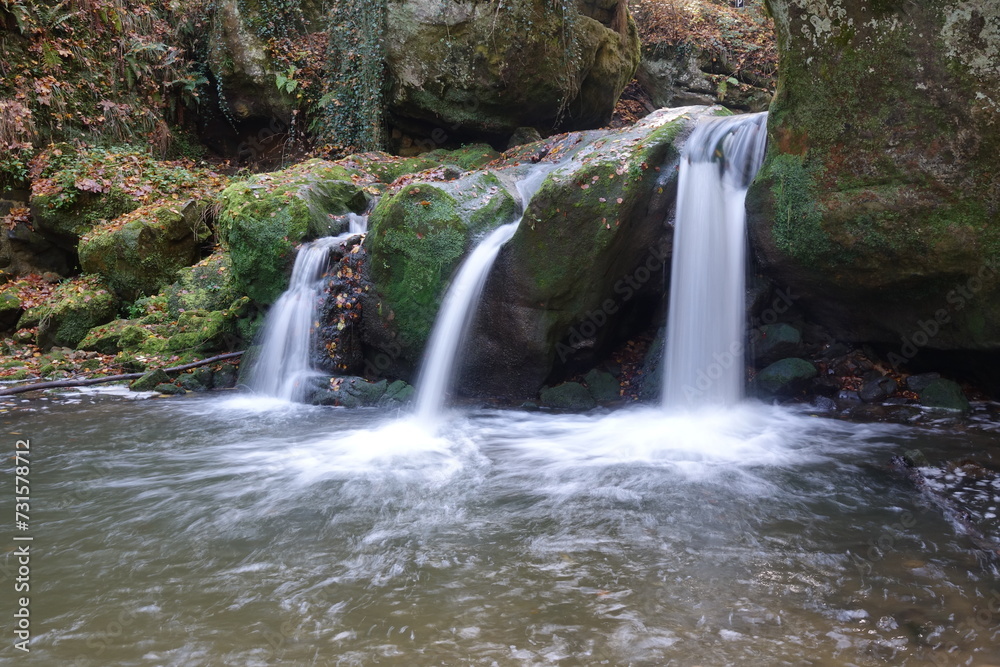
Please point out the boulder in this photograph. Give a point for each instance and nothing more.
(877, 389)
(387, 168)
(945, 394)
(467, 68)
(417, 238)
(785, 377)
(879, 196)
(169, 389)
(397, 393)
(150, 381)
(115, 337)
(352, 392)
(567, 396)
(208, 285)
(772, 342)
(262, 218)
(587, 262)
(73, 309)
(10, 309)
(603, 386)
(142, 253)
(917, 383)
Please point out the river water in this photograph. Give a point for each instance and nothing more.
(212, 531)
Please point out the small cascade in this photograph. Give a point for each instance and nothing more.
(460, 303)
(703, 356)
(281, 367)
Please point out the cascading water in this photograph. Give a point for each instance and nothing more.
(459, 307)
(281, 368)
(703, 356)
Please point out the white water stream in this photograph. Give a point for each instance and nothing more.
(281, 368)
(444, 349)
(705, 328)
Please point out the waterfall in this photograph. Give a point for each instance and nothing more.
(281, 367)
(703, 356)
(460, 302)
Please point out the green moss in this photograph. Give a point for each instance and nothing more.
(262, 219)
(208, 285)
(468, 157)
(72, 310)
(418, 237)
(114, 337)
(797, 217)
(145, 254)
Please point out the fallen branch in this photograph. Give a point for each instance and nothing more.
(84, 382)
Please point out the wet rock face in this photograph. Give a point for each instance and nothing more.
(879, 196)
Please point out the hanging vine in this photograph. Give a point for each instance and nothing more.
(354, 105)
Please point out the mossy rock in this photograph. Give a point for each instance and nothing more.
(77, 189)
(772, 342)
(944, 394)
(416, 241)
(877, 210)
(72, 310)
(603, 386)
(64, 223)
(115, 337)
(397, 393)
(567, 396)
(208, 285)
(10, 308)
(169, 389)
(536, 66)
(467, 158)
(263, 218)
(785, 377)
(387, 168)
(351, 392)
(196, 331)
(591, 246)
(150, 381)
(144, 254)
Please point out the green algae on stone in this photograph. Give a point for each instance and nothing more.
(72, 309)
(417, 238)
(143, 255)
(263, 218)
(879, 208)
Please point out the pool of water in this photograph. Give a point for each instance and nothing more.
(222, 531)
